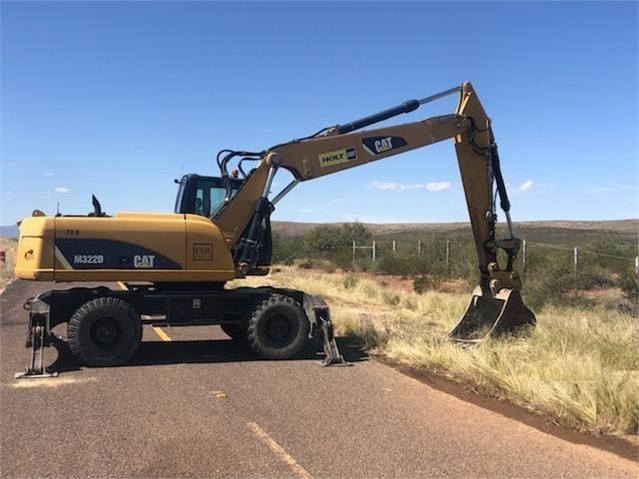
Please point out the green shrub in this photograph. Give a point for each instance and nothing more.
(286, 249)
(349, 281)
(424, 283)
(555, 284)
(327, 267)
(325, 240)
(629, 284)
(306, 264)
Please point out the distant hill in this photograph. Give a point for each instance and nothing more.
(9, 231)
(629, 227)
(625, 228)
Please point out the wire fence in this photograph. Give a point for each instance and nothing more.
(446, 256)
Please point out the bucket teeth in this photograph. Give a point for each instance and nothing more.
(504, 313)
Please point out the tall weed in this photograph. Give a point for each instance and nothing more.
(579, 366)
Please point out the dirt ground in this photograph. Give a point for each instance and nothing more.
(407, 284)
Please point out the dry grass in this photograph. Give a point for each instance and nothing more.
(9, 246)
(579, 367)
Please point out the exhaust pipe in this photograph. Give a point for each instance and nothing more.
(492, 316)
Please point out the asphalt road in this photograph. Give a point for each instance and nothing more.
(198, 406)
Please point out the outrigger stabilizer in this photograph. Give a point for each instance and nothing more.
(39, 336)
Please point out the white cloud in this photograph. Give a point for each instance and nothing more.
(437, 186)
(307, 210)
(61, 189)
(526, 186)
(48, 173)
(393, 186)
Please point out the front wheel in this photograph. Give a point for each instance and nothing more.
(278, 327)
(105, 331)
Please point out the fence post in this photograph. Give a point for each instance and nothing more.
(394, 246)
(353, 248)
(575, 258)
(523, 256)
(374, 252)
(637, 273)
(419, 248)
(448, 257)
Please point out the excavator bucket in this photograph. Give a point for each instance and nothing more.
(504, 313)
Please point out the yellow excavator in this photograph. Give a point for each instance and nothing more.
(176, 265)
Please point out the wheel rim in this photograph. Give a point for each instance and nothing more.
(105, 332)
(279, 330)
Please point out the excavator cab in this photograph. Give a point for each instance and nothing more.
(207, 195)
(204, 195)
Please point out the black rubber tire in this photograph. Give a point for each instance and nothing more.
(278, 327)
(105, 331)
(237, 332)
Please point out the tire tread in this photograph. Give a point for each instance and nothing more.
(75, 334)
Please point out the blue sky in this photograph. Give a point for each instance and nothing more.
(120, 98)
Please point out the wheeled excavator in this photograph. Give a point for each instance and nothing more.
(176, 267)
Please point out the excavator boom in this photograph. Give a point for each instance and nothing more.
(496, 305)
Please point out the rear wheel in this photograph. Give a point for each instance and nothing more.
(104, 332)
(278, 327)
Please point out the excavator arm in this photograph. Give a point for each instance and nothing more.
(496, 302)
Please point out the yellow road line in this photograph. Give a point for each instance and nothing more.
(279, 451)
(158, 331)
(161, 333)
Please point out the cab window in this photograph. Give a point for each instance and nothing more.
(203, 195)
(209, 198)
